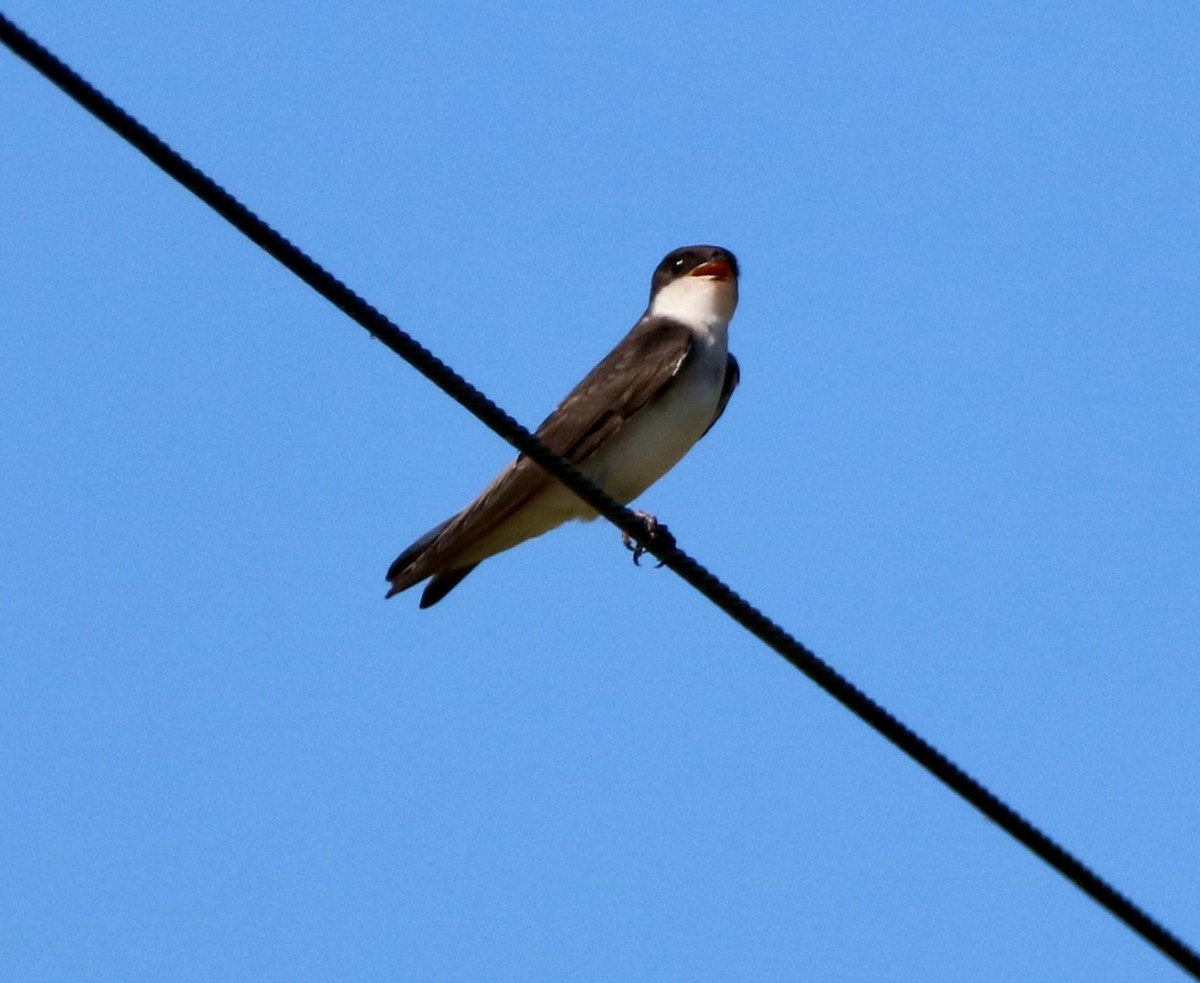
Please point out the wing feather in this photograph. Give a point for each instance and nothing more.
(640, 368)
(733, 375)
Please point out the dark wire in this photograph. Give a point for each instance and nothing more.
(672, 556)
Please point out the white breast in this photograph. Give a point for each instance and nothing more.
(655, 439)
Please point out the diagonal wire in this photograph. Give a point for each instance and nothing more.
(715, 590)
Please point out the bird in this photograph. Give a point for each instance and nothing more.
(630, 420)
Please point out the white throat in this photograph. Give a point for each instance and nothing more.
(699, 302)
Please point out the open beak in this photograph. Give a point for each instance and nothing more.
(717, 269)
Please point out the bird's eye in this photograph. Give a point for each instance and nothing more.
(677, 265)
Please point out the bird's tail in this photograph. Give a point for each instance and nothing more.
(405, 571)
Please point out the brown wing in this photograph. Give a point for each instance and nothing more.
(632, 374)
(733, 375)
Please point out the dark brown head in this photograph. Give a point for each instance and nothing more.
(693, 279)
(707, 261)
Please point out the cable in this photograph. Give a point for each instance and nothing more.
(455, 386)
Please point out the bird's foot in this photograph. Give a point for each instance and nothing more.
(658, 533)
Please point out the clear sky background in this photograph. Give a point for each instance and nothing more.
(963, 466)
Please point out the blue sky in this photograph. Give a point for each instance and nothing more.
(963, 467)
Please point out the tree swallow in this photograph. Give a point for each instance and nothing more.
(624, 426)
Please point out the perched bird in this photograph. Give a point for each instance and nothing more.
(624, 426)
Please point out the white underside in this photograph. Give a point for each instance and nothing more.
(654, 440)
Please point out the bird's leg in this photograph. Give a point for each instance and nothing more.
(658, 533)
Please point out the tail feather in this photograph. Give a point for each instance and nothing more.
(405, 572)
(406, 558)
(441, 584)
(400, 566)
